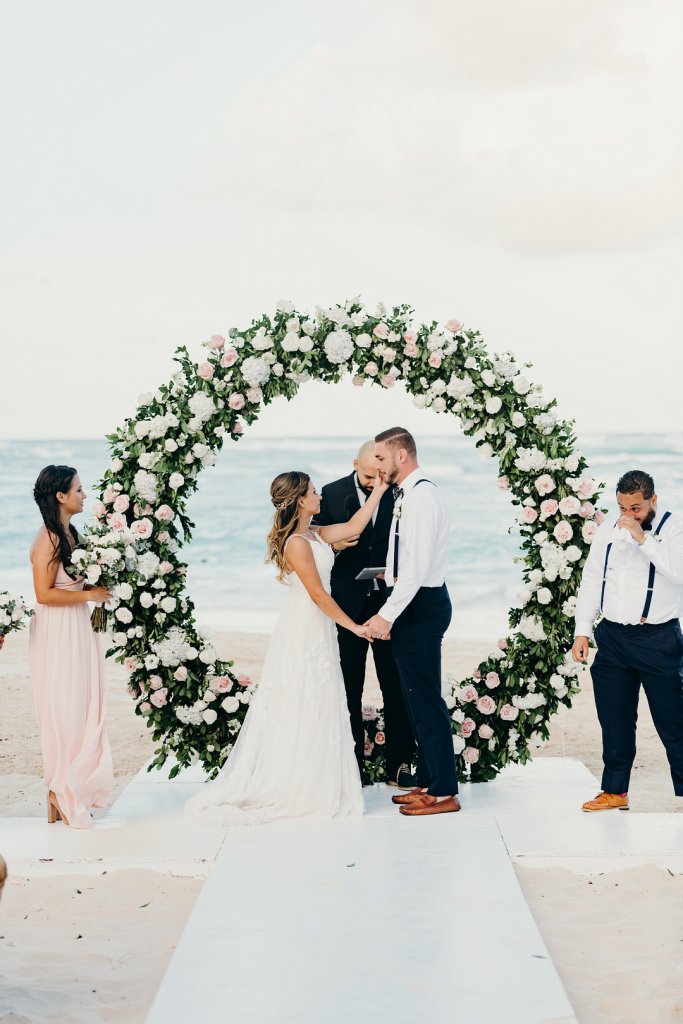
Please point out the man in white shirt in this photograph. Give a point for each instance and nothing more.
(416, 614)
(634, 576)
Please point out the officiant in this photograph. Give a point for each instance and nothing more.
(361, 599)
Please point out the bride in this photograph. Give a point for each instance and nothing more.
(294, 756)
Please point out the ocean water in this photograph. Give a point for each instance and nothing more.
(231, 585)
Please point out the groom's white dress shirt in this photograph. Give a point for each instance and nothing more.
(422, 545)
(627, 575)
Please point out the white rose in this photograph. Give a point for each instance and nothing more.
(124, 615)
(168, 604)
(493, 405)
(209, 716)
(290, 342)
(521, 384)
(439, 405)
(305, 344)
(93, 573)
(230, 704)
(284, 306)
(123, 591)
(176, 481)
(488, 377)
(518, 419)
(544, 596)
(116, 465)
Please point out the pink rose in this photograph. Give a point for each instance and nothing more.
(381, 331)
(165, 567)
(467, 727)
(236, 401)
(368, 748)
(436, 358)
(470, 755)
(454, 326)
(388, 381)
(548, 508)
(218, 342)
(589, 529)
(122, 503)
(222, 684)
(155, 682)
(130, 664)
(238, 428)
(476, 674)
(545, 484)
(229, 358)
(145, 708)
(163, 536)
(410, 337)
(492, 680)
(110, 495)
(503, 483)
(380, 739)
(508, 712)
(502, 644)
(117, 521)
(599, 517)
(528, 515)
(368, 713)
(142, 528)
(468, 694)
(587, 510)
(98, 509)
(410, 350)
(205, 371)
(563, 532)
(371, 369)
(164, 514)
(570, 506)
(158, 698)
(486, 705)
(180, 674)
(586, 487)
(485, 732)
(244, 680)
(254, 395)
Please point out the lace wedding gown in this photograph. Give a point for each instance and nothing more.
(294, 756)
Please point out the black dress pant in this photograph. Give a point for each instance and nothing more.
(628, 656)
(353, 650)
(417, 636)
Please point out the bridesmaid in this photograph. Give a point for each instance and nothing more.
(67, 665)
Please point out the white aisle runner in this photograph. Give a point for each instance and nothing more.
(383, 919)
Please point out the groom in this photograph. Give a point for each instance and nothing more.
(416, 615)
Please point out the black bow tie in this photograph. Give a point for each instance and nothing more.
(397, 492)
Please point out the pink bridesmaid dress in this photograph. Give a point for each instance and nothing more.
(67, 670)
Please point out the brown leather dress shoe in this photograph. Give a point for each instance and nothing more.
(606, 802)
(430, 805)
(408, 798)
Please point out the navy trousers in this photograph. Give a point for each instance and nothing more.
(417, 636)
(628, 656)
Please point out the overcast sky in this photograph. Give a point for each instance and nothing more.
(171, 169)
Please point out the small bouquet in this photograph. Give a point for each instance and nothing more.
(102, 557)
(13, 611)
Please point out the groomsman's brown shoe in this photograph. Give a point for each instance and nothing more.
(430, 805)
(606, 802)
(408, 798)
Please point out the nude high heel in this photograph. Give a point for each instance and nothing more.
(53, 812)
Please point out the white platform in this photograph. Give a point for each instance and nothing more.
(385, 918)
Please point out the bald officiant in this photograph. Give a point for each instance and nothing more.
(361, 599)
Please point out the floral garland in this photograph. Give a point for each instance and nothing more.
(193, 701)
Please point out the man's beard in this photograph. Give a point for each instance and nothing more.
(648, 518)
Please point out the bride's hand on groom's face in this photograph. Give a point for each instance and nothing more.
(379, 483)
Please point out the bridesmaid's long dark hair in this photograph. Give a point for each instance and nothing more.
(51, 481)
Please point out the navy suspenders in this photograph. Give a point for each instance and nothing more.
(650, 579)
(423, 480)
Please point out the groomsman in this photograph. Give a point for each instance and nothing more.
(634, 577)
(416, 614)
(360, 599)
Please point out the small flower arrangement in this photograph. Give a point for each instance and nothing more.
(13, 613)
(105, 555)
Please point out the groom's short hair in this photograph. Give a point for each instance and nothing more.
(398, 437)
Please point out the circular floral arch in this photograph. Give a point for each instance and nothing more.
(193, 701)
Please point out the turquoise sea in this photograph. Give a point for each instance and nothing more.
(229, 582)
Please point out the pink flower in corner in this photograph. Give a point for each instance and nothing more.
(229, 358)
(468, 694)
(502, 644)
(492, 680)
(548, 508)
(485, 732)
(222, 684)
(130, 664)
(244, 680)
(218, 342)
(587, 510)
(563, 532)
(476, 674)
(410, 349)
(122, 503)
(467, 727)
(117, 521)
(388, 381)
(509, 712)
(599, 517)
(486, 705)
(99, 509)
(142, 528)
(586, 487)
(145, 707)
(368, 748)
(436, 358)
(410, 337)
(236, 401)
(470, 755)
(528, 515)
(570, 505)
(368, 713)
(381, 331)
(545, 484)
(238, 428)
(371, 369)
(503, 483)
(110, 495)
(158, 698)
(164, 514)
(380, 739)
(589, 530)
(454, 326)
(205, 371)
(180, 674)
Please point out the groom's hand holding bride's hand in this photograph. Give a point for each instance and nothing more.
(378, 627)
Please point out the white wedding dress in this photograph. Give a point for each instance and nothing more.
(294, 756)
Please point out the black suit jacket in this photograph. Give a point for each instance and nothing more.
(339, 503)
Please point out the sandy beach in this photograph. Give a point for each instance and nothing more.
(615, 938)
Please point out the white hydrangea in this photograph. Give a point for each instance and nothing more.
(531, 628)
(569, 607)
(202, 406)
(460, 387)
(173, 648)
(146, 486)
(530, 701)
(255, 371)
(530, 460)
(338, 346)
(147, 564)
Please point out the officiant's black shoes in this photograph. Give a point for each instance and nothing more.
(403, 779)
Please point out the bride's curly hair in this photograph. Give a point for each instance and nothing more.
(286, 491)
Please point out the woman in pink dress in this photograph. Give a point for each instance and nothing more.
(67, 665)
